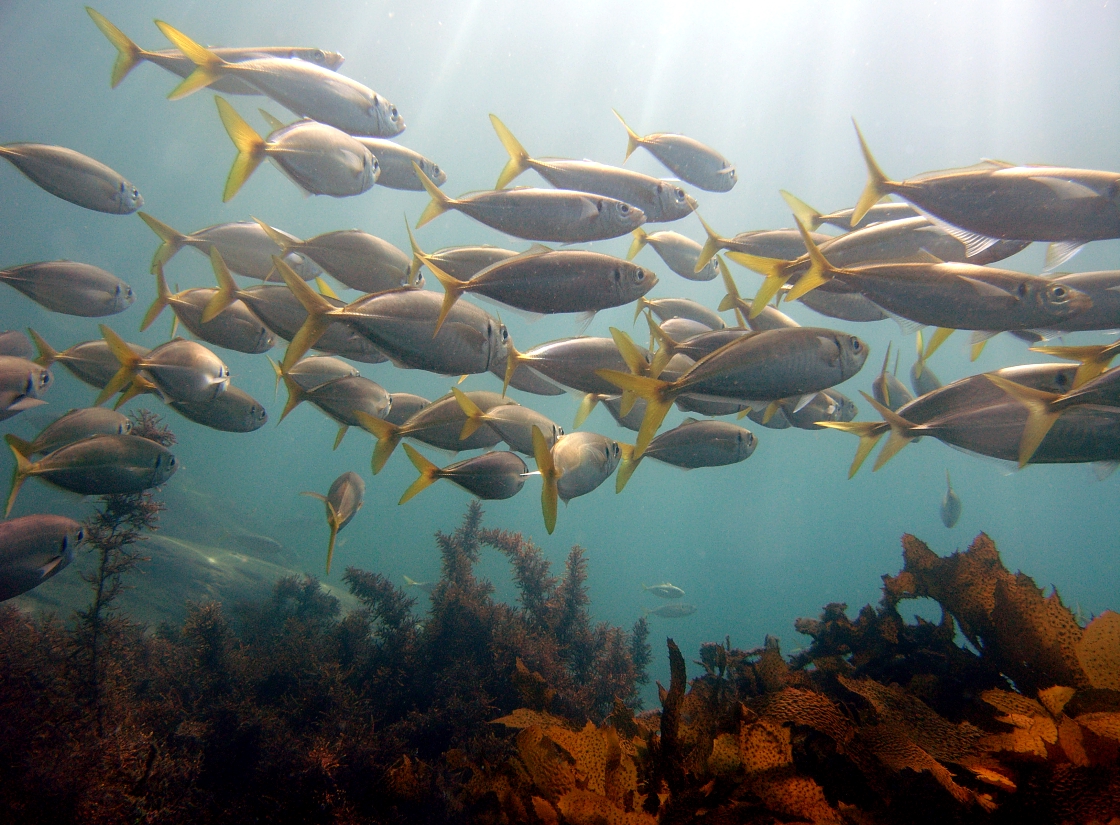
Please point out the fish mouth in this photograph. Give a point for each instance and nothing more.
(691, 201)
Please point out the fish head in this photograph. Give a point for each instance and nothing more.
(555, 434)
(255, 417)
(388, 119)
(371, 170)
(674, 201)
(326, 59)
(434, 173)
(1061, 301)
(630, 281)
(163, 467)
(619, 215)
(842, 408)
(727, 176)
(125, 427)
(266, 341)
(745, 444)
(306, 268)
(497, 345)
(611, 455)
(123, 297)
(853, 354)
(38, 380)
(127, 199)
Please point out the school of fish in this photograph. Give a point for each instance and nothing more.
(925, 260)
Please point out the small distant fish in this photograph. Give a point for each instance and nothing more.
(341, 399)
(71, 288)
(319, 159)
(664, 590)
(688, 159)
(261, 545)
(316, 370)
(691, 445)
(74, 177)
(669, 308)
(490, 476)
(671, 611)
(950, 504)
(427, 587)
(343, 501)
(34, 548)
(98, 465)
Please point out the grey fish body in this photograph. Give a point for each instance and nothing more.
(770, 318)
(514, 425)
(572, 362)
(681, 329)
(490, 476)
(703, 444)
(687, 158)
(783, 244)
(15, 343)
(396, 165)
(74, 177)
(584, 460)
(950, 504)
(673, 611)
(360, 260)
(826, 405)
(679, 253)
(527, 380)
(464, 262)
(889, 391)
(550, 215)
(346, 495)
(92, 362)
(879, 213)
(236, 327)
(233, 411)
(34, 548)
(76, 425)
(706, 343)
(340, 398)
(633, 419)
(402, 323)
(244, 246)
(924, 382)
(556, 281)
(440, 423)
(316, 370)
(404, 405)
(177, 63)
(705, 405)
(185, 371)
(1104, 290)
(321, 159)
(71, 288)
(777, 364)
(660, 200)
(107, 464)
(976, 391)
(665, 590)
(666, 308)
(845, 306)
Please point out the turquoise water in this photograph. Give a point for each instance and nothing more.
(754, 545)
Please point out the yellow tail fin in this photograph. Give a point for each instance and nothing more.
(1041, 414)
(452, 287)
(285, 243)
(820, 270)
(439, 204)
(659, 396)
(227, 289)
(296, 395)
(208, 65)
(128, 361)
(712, 245)
(388, 437)
(19, 474)
(869, 433)
(163, 297)
(172, 240)
(640, 240)
(587, 405)
(429, 473)
(939, 337)
(549, 477)
(626, 467)
(518, 157)
(802, 211)
(274, 123)
(471, 410)
(901, 432)
(318, 309)
(878, 185)
(1094, 359)
(47, 354)
(128, 53)
(633, 139)
(250, 148)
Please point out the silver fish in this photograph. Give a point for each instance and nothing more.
(129, 55)
(665, 590)
(573, 362)
(693, 444)
(245, 247)
(342, 501)
(887, 389)
(341, 399)
(305, 88)
(74, 177)
(512, 422)
(659, 200)
(490, 476)
(15, 343)
(687, 158)
(316, 370)
(34, 548)
(464, 262)
(21, 379)
(679, 253)
(71, 288)
(950, 504)
(404, 405)
(74, 426)
(319, 159)
(396, 165)
(826, 405)
(671, 611)
(99, 465)
(666, 308)
(235, 327)
(233, 411)
(842, 218)
(180, 369)
(91, 362)
(577, 464)
(551, 215)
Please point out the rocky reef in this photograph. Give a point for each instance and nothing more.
(287, 709)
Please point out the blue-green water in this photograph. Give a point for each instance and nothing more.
(771, 86)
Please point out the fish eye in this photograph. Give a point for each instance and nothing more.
(1059, 293)
(171, 461)
(44, 379)
(80, 536)
(640, 275)
(435, 169)
(624, 208)
(857, 345)
(680, 194)
(557, 431)
(135, 192)
(318, 56)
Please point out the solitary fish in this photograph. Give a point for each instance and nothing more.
(660, 200)
(244, 245)
(233, 411)
(343, 501)
(490, 476)
(74, 426)
(34, 548)
(575, 465)
(552, 215)
(950, 504)
(98, 465)
(305, 88)
(678, 252)
(129, 55)
(427, 587)
(319, 159)
(664, 590)
(71, 288)
(74, 177)
(671, 611)
(688, 159)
